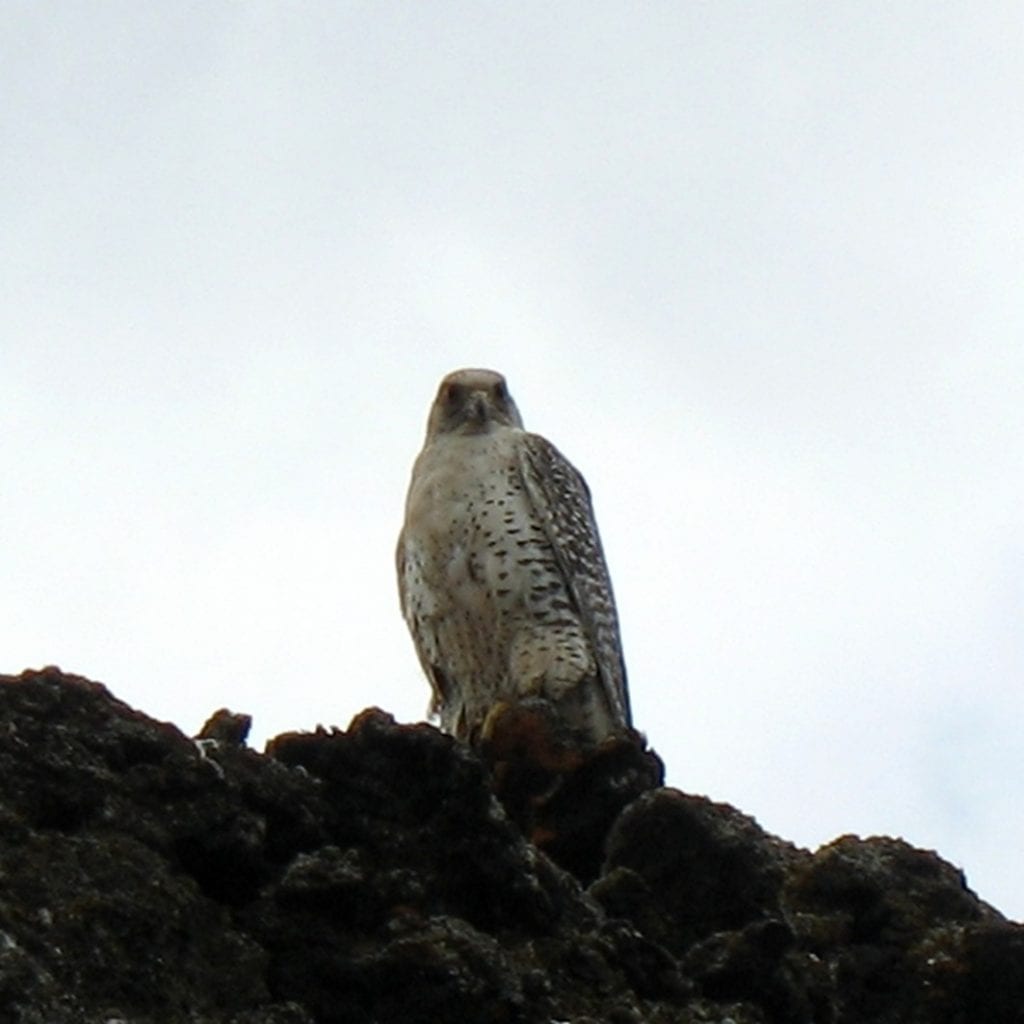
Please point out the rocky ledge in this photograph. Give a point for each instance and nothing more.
(386, 874)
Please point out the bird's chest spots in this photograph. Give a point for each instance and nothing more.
(484, 538)
(476, 530)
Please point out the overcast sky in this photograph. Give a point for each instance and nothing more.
(757, 269)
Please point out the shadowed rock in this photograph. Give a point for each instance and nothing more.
(388, 873)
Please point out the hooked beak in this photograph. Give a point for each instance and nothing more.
(477, 411)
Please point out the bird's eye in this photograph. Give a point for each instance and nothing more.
(453, 394)
(500, 391)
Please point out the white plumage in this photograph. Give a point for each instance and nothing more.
(501, 574)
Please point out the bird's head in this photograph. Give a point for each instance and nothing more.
(472, 402)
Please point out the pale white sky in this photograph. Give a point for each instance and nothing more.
(756, 268)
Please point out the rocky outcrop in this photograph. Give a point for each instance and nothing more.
(386, 873)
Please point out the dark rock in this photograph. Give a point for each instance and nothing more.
(387, 873)
(973, 973)
(882, 889)
(707, 867)
(226, 728)
(891, 920)
(565, 797)
(759, 963)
